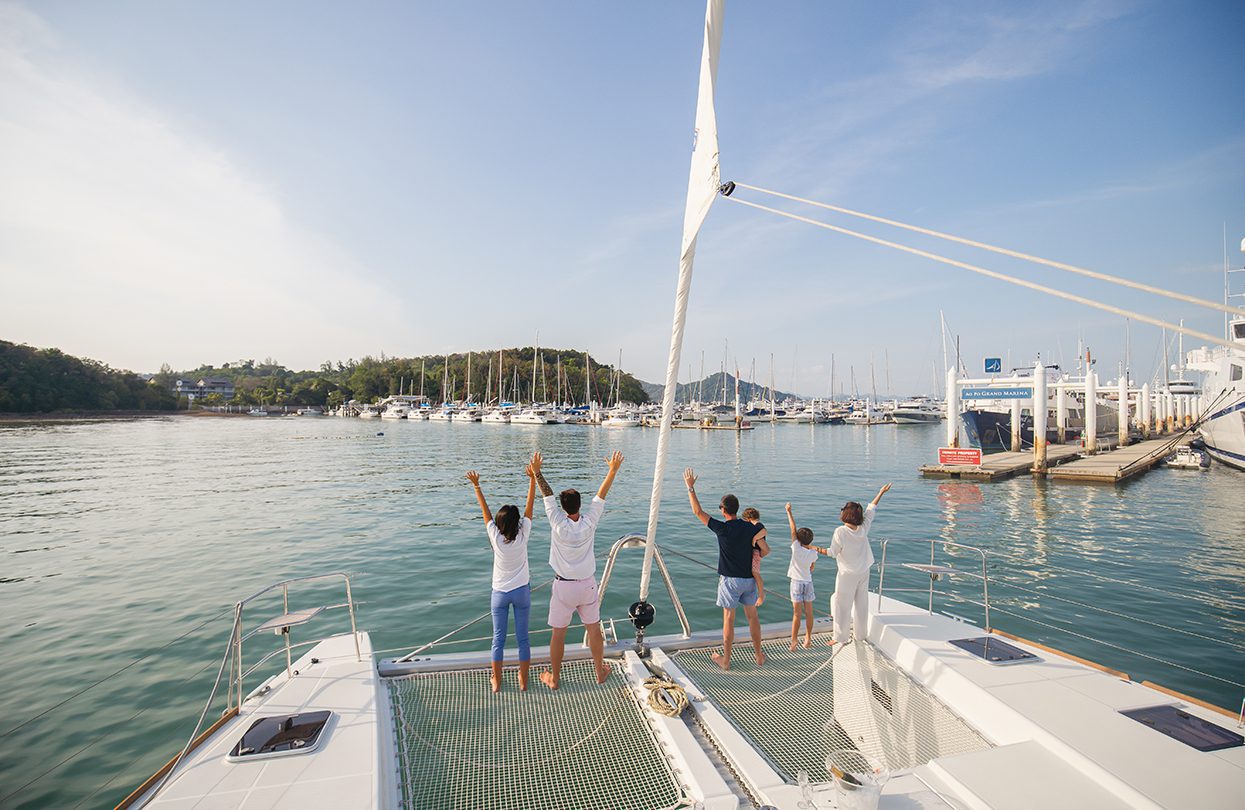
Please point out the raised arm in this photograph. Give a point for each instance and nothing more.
(885, 489)
(474, 478)
(689, 478)
(791, 521)
(614, 462)
(531, 492)
(538, 477)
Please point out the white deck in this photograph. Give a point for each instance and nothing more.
(343, 772)
(1058, 738)
(1062, 741)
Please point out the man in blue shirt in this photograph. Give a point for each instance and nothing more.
(735, 583)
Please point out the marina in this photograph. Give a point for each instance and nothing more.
(294, 614)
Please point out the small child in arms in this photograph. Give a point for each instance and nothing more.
(759, 550)
(803, 557)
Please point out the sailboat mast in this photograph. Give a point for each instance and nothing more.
(468, 395)
(771, 387)
(421, 378)
(832, 376)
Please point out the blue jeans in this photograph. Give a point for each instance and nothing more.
(521, 599)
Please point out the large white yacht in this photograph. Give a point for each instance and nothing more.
(917, 411)
(1223, 398)
(622, 417)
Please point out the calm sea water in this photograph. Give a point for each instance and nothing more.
(120, 540)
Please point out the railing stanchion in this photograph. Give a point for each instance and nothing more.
(881, 575)
(358, 655)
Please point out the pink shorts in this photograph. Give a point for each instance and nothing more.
(574, 595)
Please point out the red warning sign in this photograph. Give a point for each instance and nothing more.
(959, 455)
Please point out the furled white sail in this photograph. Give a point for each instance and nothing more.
(702, 188)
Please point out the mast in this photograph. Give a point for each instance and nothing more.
(421, 378)
(771, 388)
(467, 398)
(445, 382)
(500, 388)
(943, 323)
(588, 382)
(535, 351)
(703, 186)
(488, 385)
(832, 376)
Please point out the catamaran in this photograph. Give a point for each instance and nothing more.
(919, 710)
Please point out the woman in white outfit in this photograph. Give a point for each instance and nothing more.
(850, 548)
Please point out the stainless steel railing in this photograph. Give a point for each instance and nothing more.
(639, 541)
(234, 663)
(935, 572)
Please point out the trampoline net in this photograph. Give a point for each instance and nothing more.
(801, 705)
(584, 746)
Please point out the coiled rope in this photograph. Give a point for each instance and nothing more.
(665, 696)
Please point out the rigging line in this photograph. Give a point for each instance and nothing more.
(1048, 595)
(1116, 646)
(1071, 268)
(145, 754)
(112, 675)
(1114, 310)
(406, 658)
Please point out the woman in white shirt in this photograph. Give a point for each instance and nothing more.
(850, 548)
(511, 581)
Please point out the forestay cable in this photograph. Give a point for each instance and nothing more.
(1071, 268)
(1089, 302)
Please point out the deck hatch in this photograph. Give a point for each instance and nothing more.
(281, 735)
(1188, 729)
(994, 650)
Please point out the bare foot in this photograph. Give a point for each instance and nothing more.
(721, 661)
(760, 658)
(495, 683)
(830, 643)
(603, 673)
(792, 647)
(548, 680)
(808, 642)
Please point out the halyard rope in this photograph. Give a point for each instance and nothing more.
(1015, 254)
(1080, 299)
(665, 696)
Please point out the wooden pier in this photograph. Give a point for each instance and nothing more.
(1121, 463)
(998, 466)
(1065, 462)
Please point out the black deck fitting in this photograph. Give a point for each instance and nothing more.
(727, 188)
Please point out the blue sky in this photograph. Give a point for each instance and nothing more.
(186, 182)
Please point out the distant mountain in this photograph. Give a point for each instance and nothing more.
(710, 390)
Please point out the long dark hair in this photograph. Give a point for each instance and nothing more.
(507, 520)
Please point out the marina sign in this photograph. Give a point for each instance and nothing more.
(959, 455)
(994, 365)
(1017, 392)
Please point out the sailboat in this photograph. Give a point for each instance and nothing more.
(917, 710)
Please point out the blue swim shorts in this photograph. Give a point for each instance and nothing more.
(734, 591)
(802, 590)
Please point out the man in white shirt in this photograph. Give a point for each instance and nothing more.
(574, 563)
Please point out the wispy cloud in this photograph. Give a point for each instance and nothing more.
(859, 129)
(125, 239)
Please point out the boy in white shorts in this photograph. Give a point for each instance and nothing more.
(800, 572)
